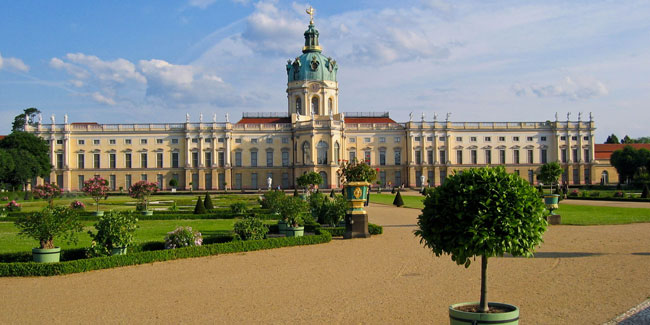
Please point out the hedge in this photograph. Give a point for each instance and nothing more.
(263, 214)
(373, 229)
(98, 263)
(607, 198)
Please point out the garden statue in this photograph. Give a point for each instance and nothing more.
(556, 117)
(214, 117)
(422, 179)
(269, 182)
(579, 116)
(448, 116)
(227, 118)
(568, 116)
(435, 116)
(40, 118)
(52, 119)
(201, 117)
(591, 117)
(422, 116)
(187, 117)
(411, 117)
(65, 119)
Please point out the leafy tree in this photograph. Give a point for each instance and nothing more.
(612, 139)
(207, 202)
(19, 120)
(627, 140)
(626, 162)
(549, 173)
(6, 166)
(398, 202)
(309, 179)
(199, 208)
(30, 158)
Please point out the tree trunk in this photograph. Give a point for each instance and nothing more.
(483, 307)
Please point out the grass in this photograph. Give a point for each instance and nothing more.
(415, 201)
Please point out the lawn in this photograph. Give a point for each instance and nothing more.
(571, 214)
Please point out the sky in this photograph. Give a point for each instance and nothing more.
(155, 61)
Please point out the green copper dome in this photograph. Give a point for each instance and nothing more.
(311, 65)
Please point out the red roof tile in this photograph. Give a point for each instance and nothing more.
(2, 137)
(357, 120)
(264, 120)
(83, 123)
(604, 151)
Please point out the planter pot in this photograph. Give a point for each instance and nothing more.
(98, 213)
(282, 227)
(551, 201)
(457, 317)
(147, 213)
(295, 231)
(49, 255)
(356, 224)
(118, 251)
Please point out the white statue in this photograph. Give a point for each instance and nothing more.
(269, 182)
(555, 116)
(422, 179)
(312, 113)
(187, 117)
(227, 118)
(568, 116)
(40, 118)
(435, 116)
(214, 117)
(448, 116)
(331, 115)
(201, 117)
(579, 116)
(591, 117)
(52, 119)
(422, 116)
(65, 119)
(411, 117)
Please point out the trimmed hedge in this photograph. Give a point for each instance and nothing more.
(373, 229)
(98, 263)
(263, 214)
(610, 198)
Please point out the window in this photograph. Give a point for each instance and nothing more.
(459, 139)
(430, 139)
(382, 178)
(487, 139)
(542, 138)
(208, 140)
(330, 105)
(174, 141)
(502, 139)
(221, 140)
(159, 141)
(298, 106)
(81, 182)
(382, 157)
(517, 172)
(585, 137)
(353, 140)
(160, 179)
(530, 156)
(195, 159)
(459, 157)
(441, 139)
(574, 138)
(111, 161)
(587, 174)
(237, 158)
(443, 157)
(315, 107)
(80, 161)
(127, 181)
(563, 138)
(529, 138)
(208, 159)
(322, 148)
(253, 140)
(195, 140)
(305, 153)
(515, 156)
(472, 139)
(366, 140)
(238, 181)
(366, 157)
(285, 158)
(254, 180)
(473, 157)
(502, 157)
(127, 160)
(285, 180)
(398, 157)
(269, 140)
(543, 157)
(397, 139)
(515, 138)
(95, 142)
(430, 157)
(221, 157)
(285, 139)
(159, 160)
(111, 182)
(81, 142)
(59, 160)
(238, 140)
(96, 161)
(564, 155)
(382, 139)
(398, 178)
(531, 177)
(127, 141)
(174, 159)
(143, 141)
(586, 154)
(488, 156)
(576, 157)
(337, 151)
(143, 160)
(269, 158)
(353, 156)
(417, 139)
(143, 177)
(253, 158)
(418, 157)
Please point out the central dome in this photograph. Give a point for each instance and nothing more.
(311, 65)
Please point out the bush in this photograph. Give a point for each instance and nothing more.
(47, 192)
(594, 194)
(294, 209)
(183, 237)
(333, 211)
(207, 202)
(13, 206)
(114, 229)
(332, 194)
(49, 223)
(250, 228)
(173, 183)
(77, 205)
(574, 193)
(398, 202)
(199, 208)
(239, 208)
(316, 201)
(619, 194)
(272, 200)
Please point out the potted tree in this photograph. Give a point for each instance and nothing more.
(46, 225)
(141, 191)
(549, 174)
(292, 210)
(173, 183)
(273, 201)
(97, 188)
(482, 212)
(309, 180)
(47, 192)
(114, 233)
(357, 177)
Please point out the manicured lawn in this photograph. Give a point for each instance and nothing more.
(149, 230)
(409, 201)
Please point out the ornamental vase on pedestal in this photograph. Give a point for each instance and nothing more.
(356, 218)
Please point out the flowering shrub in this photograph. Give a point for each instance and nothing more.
(5, 198)
(355, 171)
(77, 205)
(97, 188)
(183, 237)
(142, 190)
(13, 206)
(47, 192)
(618, 194)
(574, 193)
(114, 229)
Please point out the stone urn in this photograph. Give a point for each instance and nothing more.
(356, 217)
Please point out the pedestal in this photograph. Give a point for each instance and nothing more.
(554, 219)
(356, 226)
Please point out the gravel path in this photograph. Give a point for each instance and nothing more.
(581, 275)
(616, 204)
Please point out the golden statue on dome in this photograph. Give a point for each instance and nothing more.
(310, 11)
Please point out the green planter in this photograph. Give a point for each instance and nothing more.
(457, 317)
(356, 193)
(49, 255)
(147, 213)
(98, 213)
(118, 251)
(295, 231)
(282, 227)
(551, 201)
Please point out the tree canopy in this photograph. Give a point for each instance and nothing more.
(630, 162)
(612, 139)
(29, 158)
(19, 121)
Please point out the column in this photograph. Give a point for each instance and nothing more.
(188, 153)
(200, 148)
(227, 153)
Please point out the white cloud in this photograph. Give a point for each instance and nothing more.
(570, 88)
(202, 4)
(102, 99)
(13, 64)
(119, 70)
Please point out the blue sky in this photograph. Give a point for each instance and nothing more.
(137, 61)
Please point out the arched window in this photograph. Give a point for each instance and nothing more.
(322, 152)
(330, 105)
(314, 105)
(324, 183)
(604, 178)
(305, 153)
(298, 106)
(337, 152)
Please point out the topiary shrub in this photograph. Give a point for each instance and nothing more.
(272, 200)
(398, 202)
(199, 208)
(250, 228)
(482, 212)
(207, 202)
(239, 208)
(645, 193)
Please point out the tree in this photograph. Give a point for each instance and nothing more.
(626, 162)
(207, 202)
(19, 120)
(199, 208)
(398, 202)
(6, 166)
(97, 188)
(549, 173)
(627, 140)
(612, 139)
(30, 157)
(309, 179)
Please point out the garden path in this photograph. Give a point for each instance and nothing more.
(616, 204)
(582, 275)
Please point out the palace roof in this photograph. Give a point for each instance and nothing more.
(604, 151)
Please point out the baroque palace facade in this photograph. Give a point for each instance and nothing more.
(313, 135)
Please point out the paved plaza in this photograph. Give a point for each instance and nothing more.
(581, 275)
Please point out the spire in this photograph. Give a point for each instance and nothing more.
(311, 34)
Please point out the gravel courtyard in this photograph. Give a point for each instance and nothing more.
(581, 275)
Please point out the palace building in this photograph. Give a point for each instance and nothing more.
(312, 135)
